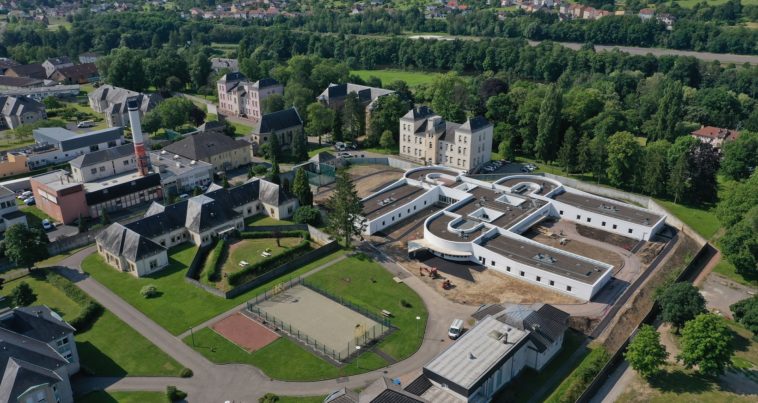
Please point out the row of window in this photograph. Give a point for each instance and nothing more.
(602, 223)
(536, 278)
(399, 215)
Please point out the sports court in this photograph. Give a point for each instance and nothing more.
(245, 332)
(318, 318)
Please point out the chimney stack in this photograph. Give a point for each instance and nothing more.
(143, 161)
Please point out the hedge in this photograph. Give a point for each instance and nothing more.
(211, 266)
(272, 234)
(264, 265)
(578, 381)
(91, 310)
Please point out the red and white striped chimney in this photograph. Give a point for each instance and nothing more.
(140, 151)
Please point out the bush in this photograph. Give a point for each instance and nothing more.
(175, 394)
(266, 264)
(91, 310)
(259, 170)
(746, 313)
(405, 304)
(272, 234)
(268, 398)
(186, 373)
(307, 215)
(149, 291)
(578, 380)
(212, 266)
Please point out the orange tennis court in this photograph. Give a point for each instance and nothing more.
(245, 332)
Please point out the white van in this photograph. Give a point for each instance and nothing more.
(456, 329)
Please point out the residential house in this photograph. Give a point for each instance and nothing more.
(335, 94)
(111, 101)
(11, 83)
(222, 63)
(140, 247)
(34, 70)
(13, 163)
(37, 356)
(9, 212)
(286, 125)
(219, 150)
(17, 111)
(715, 136)
(646, 14)
(76, 74)
(56, 63)
(6, 63)
(239, 97)
(427, 138)
(383, 390)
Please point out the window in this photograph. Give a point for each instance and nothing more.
(507, 268)
(153, 264)
(552, 282)
(539, 279)
(589, 219)
(630, 230)
(568, 288)
(93, 170)
(102, 169)
(126, 162)
(492, 262)
(615, 226)
(560, 212)
(521, 273)
(578, 217)
(602, 223)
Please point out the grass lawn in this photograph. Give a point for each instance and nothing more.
(47, 295)
(34, 215)
(103, 352)
(180, 305)
(412, 78)
(380, 150)
(102, 396)
(380, 294)
(301, 399)
(52, 260)
(727, 269)
(315, 149)
(261, 220)
(276, 359)
(702, 221)
(250, 251)
(692, 3)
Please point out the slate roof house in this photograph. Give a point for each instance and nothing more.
(240, 97)
(17, 111)
(285, 124)
(383, 390)
(111, 101)
(34, 70)
(335, 94)
(140, 248)
(37, 356)
(220, 150)
(76, 74)
(56, 63)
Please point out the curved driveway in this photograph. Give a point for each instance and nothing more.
(244, 383)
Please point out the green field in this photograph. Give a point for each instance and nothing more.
(250, 250)
(103, 349)
(180, 304)
(412, 78)
(262, 220)
(101, 396)
(703, 221)
(692, 3)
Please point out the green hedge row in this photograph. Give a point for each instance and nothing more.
(212, 266)
(272, 262)
(272, 234)
(578, 381)
(91, 310)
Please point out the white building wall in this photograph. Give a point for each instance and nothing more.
(604, 222)
(143, 266)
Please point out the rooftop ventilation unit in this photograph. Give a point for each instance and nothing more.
(544, 258)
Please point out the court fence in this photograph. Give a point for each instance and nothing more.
(364, 337)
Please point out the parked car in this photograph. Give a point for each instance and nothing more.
(456, 329)
(30, 201)
(345, 155)
(352, 146)
(25, 195)
(184, 196)
(47, 225)
(340, 146)
(85, 124)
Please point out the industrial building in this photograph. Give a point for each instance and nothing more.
(482, 223)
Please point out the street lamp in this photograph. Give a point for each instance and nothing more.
(418, 319)
(358, 356)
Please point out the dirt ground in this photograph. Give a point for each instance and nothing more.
(608, 237)
(367, 179)
(580, 248)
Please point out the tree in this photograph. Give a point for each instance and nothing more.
(22, 295)
(548, 125)
(225, 183)
(679, 181)
(273, 174)
(151, 122)
(584, 154)
(52, 103)
(567, 155)
(345, 210)
(669, 112)
(740, 157)
(301, 188)
(320, 120)
(623, 159)
(123, 68)
(200, 69)
(680, 302)
(706, 343)
(449, 96)
(25, 246)
(272, 103)
(387, 141)
(705, 161)
(740, 244)
(353, 117)
(104, 217)
(307, 215)
(385, 116)
(599, 150)
(298, 96)
(268, 398)
(735, 204)
(656, 169)
(299, 147)
(746, 313)
(645, 353)
(337, 134)
(173, 113)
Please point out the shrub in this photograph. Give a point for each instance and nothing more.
(307, 215)
(186, 373)
(91, 310)
(266, 264)
(175, 394)
(149, 291)
(405, 303)
(578, 380)
(271, 234)
(268, 398)
(212, 266)
(22, 295)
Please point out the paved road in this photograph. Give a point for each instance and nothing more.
(244, 383)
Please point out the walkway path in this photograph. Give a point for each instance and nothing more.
(244, 383)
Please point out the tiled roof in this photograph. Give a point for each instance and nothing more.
(98, 157)
(280, 120)
(202, 146)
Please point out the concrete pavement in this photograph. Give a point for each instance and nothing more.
(244, 383)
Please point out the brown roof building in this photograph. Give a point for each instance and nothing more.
(27, 70)
(715, 136)
(76, 74)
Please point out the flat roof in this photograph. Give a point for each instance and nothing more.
(175, 164)
(542, 257)
(474, 354)
(547, 186)
(484, 197)
(384, 202)
(57, 180)
(608, 208)
(110, 181)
